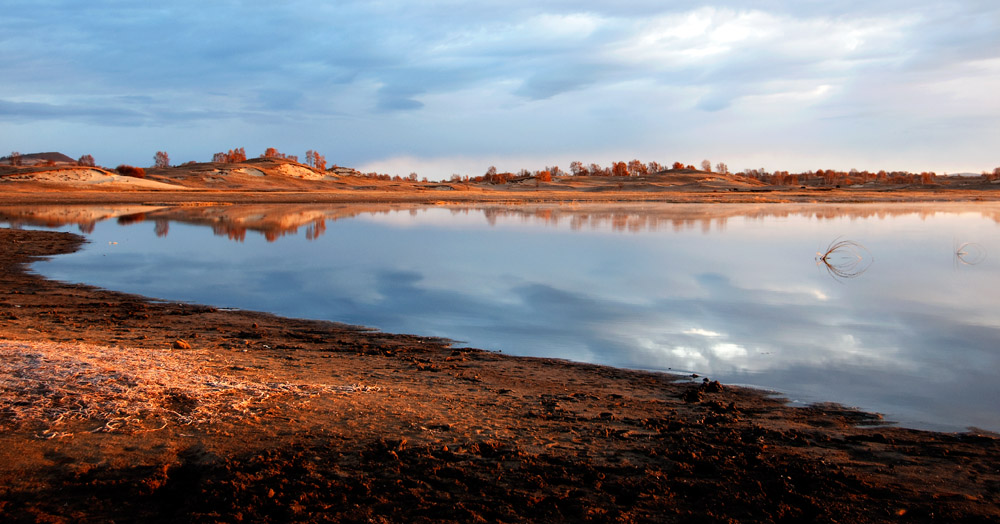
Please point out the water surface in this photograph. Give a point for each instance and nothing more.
(732, 292)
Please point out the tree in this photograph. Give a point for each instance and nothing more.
(654, 167)
(161, 159)
(576, 167)
(636, 168)
(15, 158)
(544, 176)
(722, 168)
(314, 159)
(236, 155)
(272, 153)
(677, 165)
(619, 169)
(86, 160)
(706, 165)
(219, 158)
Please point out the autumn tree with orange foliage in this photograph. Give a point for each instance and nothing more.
(272, 153)
(231, 157)
(636, 168)
(314, 159)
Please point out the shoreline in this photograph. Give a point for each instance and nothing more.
(451, 434)
(35, 193)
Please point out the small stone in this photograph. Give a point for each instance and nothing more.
(181, 344)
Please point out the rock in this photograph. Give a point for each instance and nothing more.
(181, 344)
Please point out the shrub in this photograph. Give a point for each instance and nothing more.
(131, 171)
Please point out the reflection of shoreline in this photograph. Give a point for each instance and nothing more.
(274, 221)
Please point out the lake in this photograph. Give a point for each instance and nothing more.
(900, 319)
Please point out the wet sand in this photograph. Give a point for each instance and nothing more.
(320, 422)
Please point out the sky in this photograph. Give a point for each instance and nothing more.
(442, 87)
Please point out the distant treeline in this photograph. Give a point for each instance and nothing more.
(637, 168)
(632, 168)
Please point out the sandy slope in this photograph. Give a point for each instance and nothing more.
(88, 178)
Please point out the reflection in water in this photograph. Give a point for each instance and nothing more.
(720, 290)
(970, 254)
(275, 221)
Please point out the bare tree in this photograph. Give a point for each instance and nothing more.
(706, 165)
(161, 159)
(722, 168)
(86, 160)
(15, 158)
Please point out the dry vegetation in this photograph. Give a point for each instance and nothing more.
(51, 387)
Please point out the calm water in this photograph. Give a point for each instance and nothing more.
(904, 322)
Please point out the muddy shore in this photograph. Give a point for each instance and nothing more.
(408, 429)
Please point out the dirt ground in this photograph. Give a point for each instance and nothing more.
(118, 408)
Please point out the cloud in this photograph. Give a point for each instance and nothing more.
(643, 78)
(29, 111)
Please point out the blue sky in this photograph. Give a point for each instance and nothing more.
(442, 87)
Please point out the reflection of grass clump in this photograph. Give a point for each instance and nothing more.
(970, 254)
(845, 259)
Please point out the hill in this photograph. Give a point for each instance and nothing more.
(41, 158)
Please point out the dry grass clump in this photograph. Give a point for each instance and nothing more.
(845, 259)
(51, 385)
